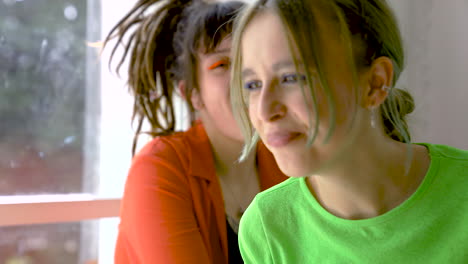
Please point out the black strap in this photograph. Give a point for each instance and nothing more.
(233, 246)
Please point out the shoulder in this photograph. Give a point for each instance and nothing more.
(272, 200)
(177, 148)
(278, 191)
(263, 217)
(170, 156)
(448, 170)
(447, 158)
(447, 152)
(254, 244)
(172, 148)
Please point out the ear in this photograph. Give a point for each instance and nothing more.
(378, 82)
(196, 100)
(195, 97)
(181, 86)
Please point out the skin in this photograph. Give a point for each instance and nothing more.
(239, 181)
(363, 180)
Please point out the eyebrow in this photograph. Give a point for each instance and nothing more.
(276, 67)
(283, 64)
(226, 50)
(247, 72)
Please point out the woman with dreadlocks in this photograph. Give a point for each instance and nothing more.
(185, 192)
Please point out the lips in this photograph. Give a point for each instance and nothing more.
(281, 139)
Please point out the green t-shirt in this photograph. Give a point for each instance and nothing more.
(285, 224)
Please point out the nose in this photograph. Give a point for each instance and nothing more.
(270, 105)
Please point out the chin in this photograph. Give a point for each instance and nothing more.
(294, 161)
(293, 169)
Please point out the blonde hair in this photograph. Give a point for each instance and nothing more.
(367, 22)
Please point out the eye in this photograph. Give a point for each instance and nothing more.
(292, 78)
(253, 85)
(219, 64)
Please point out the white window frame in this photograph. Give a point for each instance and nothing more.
(45, 209)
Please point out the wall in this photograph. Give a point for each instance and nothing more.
(436, 40)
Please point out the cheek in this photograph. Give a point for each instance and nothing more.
(301, 104)
(252, 104)
(224, 82)
(215, 89)
(224, 92)
(345, 102)
(321, 101)
(324, 102)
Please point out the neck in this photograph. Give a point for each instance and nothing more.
(372, 180)
(226, 152)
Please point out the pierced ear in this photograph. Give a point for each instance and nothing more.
(196, 100)
(195, 97)
(379, 82)
(181, 86)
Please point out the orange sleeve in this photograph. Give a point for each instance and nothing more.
(158, 224)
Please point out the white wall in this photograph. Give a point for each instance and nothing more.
(436, 38)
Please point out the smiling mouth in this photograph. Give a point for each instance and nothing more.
(281, 139)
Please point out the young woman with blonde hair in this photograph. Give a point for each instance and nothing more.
(315, 80)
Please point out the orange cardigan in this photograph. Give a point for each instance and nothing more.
(172, 209)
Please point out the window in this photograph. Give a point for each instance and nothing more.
(64, 136)
(48, 243)
(47, 77)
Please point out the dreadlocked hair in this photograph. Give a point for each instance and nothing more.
(162, 40)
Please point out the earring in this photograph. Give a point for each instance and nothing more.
(372, 121)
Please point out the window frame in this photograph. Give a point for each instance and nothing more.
(45, 209)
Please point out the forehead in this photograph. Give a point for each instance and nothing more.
(268, 33)
(223, 48)
(224, 45)
(264, 22)
(265, 40)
